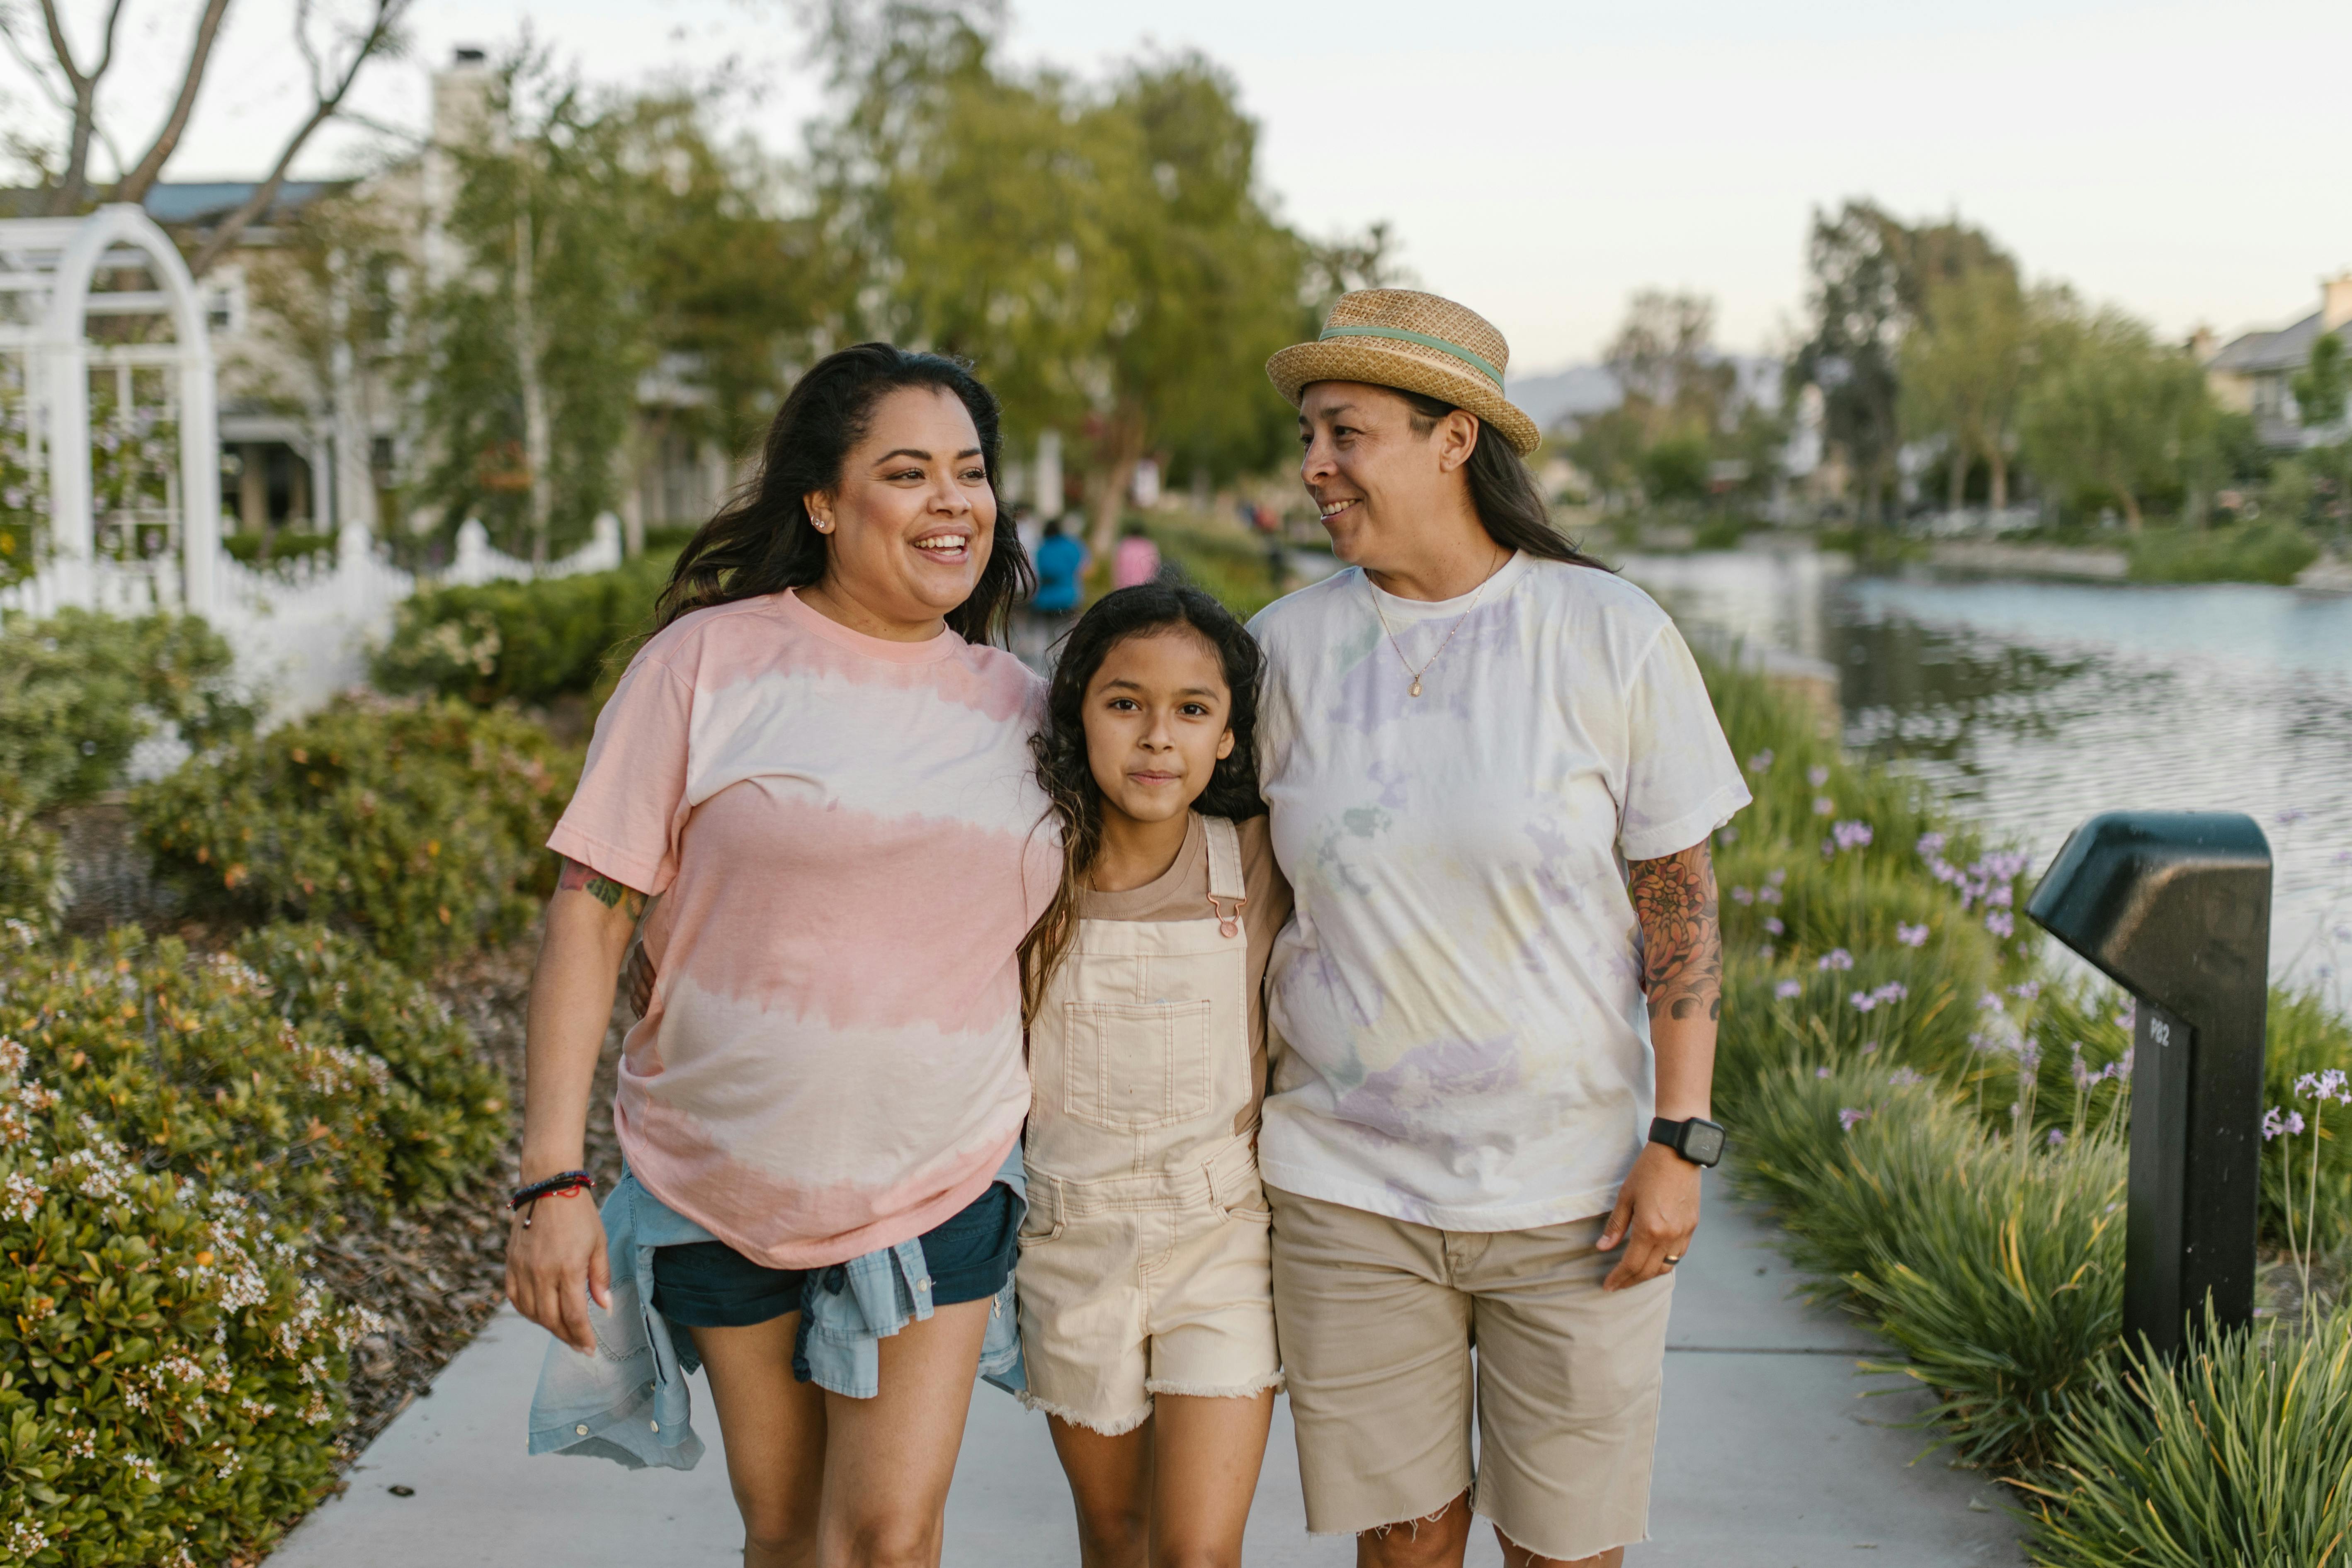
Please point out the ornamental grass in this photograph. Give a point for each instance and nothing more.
(1938, 1121)
(2239, 1453)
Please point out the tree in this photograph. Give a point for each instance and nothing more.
(1663, 358)
(73, 88)
(1962, 368)
(1857, 298)
(2110, 412)
(1103, 255)
(532, 350)
(2320, 387)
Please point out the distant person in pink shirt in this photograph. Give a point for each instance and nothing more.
(1136, 560)
(819, 766)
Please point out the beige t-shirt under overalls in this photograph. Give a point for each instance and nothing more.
(1144, 1259)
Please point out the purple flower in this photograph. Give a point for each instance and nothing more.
(1825, 807)
(1788, 990)
(1743, 896)
(1776, 875)
(1991, 1002)
(1817, 776)
(2026, 990)
(2325, 1086)
(2056, 1137)
(2001, 923)
(1931, 845)
(1851, 835)
(1911, 936)
(2127, 1016)
(1766, 951)
(1760, 763)
(1772, 924)
(1863, 1001)
(1849, 1118)
(1903, 1078)
(1770, 892)
(1837, 958)
(1820, 1072)
(1870, 1048)
(1893, 991)
(2273, 1124)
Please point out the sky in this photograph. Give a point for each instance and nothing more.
(1541, 160)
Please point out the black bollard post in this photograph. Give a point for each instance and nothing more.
(2175, 907)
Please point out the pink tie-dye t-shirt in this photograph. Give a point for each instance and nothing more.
(848, 843)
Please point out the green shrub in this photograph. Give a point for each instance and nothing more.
(286, 547)
(300, 1070)
(32, 865)
(2254, 552)
(419, 827)
(78, 691)
(526, 642)
(169, 1384)
(2239, 1453)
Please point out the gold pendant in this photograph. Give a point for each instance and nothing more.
(1416, 687)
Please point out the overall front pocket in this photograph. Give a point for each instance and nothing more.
(1128, 1067)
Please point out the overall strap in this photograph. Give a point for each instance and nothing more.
(1227, 892)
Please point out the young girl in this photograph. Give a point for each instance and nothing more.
(1147, 1304)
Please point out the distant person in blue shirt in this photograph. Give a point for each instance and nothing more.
(1061, 563)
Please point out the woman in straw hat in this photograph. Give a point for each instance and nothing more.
(1492, 771)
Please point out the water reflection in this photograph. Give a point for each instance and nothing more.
(2032, 705)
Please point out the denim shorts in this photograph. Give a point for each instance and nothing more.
(710, 1285)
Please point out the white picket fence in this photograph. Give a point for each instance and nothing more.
(305, 630)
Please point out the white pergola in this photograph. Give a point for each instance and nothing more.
(48, 266)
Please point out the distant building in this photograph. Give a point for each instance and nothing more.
(316, 427)
(2253, 373)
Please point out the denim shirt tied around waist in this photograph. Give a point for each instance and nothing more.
(628, 1402)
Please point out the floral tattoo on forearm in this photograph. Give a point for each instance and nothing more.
(601, 887)
(1682, 939)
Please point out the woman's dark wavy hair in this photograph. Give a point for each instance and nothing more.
(1509, 505)
(1060, 744)
(761, 540)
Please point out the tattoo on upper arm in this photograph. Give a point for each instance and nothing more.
(601, 887)
(1682, 939)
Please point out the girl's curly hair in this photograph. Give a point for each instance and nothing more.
(1060, 745)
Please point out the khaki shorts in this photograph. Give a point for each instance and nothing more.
(1378, 1319)
(1146, 1285)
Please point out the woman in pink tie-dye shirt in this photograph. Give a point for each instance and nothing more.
(819, 766)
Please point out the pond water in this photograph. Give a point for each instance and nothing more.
(2031, 705)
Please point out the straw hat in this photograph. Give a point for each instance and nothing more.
(1413, 341)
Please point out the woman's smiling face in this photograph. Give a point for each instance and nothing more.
(910, 524)
(1375, 479)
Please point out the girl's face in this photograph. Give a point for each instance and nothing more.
(908, 528)
(1156, 718)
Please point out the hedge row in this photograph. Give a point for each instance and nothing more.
(173, 1127)
(1939, 1125)
(525, 642)
(178, 1127)
(418, 825)
(77, 692)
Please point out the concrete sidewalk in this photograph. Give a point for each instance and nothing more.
(1767, 1458)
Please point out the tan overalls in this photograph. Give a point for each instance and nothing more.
(1144, 1259)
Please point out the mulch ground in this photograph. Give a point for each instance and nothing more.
(435, 1275)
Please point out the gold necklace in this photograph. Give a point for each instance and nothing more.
(1415, 690)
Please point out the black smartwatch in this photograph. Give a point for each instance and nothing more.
(1698, 1140)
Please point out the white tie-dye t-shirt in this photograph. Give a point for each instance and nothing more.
(1464, 1042)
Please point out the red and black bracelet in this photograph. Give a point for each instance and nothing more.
(564, 1185)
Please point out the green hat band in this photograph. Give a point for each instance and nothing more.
(1424, 340)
